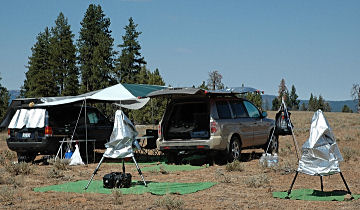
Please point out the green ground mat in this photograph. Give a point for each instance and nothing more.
(314, 195)
(157, 188)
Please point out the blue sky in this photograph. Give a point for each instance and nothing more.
(314, 45)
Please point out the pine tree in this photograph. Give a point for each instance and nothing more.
(63, 57)
(130, 61)
(355, 93)
(95, 46)
(282, 88)
(293, 99)
(283, 93)
(275, 104)
(203, 86)
(346, 109)
(255, 98)
(303, 107)
(312, 102)
(4, 100)
(40, 80)
(320, 103)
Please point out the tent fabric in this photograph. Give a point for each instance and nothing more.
(30, 118)
(122, 137)
(320, 153)
(129, 95)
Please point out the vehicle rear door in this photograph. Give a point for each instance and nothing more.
(260, 131)
(244, 124)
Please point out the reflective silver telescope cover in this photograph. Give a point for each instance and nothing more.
(122, 137)
(320, 153)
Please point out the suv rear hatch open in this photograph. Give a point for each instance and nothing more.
(188, 118)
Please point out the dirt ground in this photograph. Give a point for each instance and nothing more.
(233, 191)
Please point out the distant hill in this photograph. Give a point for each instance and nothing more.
(336, 106)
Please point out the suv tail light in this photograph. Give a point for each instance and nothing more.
(159, 130)
(48, 131)
(213, 127)
(8, 132)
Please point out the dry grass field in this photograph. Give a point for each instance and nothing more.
(250, 187)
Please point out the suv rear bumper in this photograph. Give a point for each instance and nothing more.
(214, 143)
(45, 146)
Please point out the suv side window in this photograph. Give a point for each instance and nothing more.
(252, 110)
(93, 119)
(238, 109)
(223, 110)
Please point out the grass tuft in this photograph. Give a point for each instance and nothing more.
(222, 177)
(349, 153)
(234, 166)
(19, 168)
(169, 203)
(59, 164)
(7, 196)
(117, 197)
(256, 181)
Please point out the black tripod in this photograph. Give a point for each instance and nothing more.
(322, 186)
(123, 168)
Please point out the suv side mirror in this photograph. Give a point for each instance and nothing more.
(264, 114)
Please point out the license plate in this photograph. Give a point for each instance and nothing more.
(26, 135)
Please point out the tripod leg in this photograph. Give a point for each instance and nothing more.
(123, 165)
(60, 149)
(347, 187)
(138, 169)
(95, 171)
(292, 184)
(322, 186)
(270, 140)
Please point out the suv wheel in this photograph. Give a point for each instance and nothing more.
(274, 145)
(234, 149)
(172, 158)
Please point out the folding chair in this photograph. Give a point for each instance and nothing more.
(150, 148)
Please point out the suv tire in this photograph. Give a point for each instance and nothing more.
(234, 152)
(173, 158)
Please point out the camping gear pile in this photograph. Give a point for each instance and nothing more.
(117, 180)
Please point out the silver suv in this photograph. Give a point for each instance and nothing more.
(197, 120)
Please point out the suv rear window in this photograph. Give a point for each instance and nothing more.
(223, 110)
(238, 109)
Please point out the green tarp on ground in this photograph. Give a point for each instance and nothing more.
(157, 188)
(314, 195)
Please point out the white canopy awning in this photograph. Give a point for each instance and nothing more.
(129, 96)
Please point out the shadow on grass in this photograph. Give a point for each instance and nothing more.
(329, 193)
